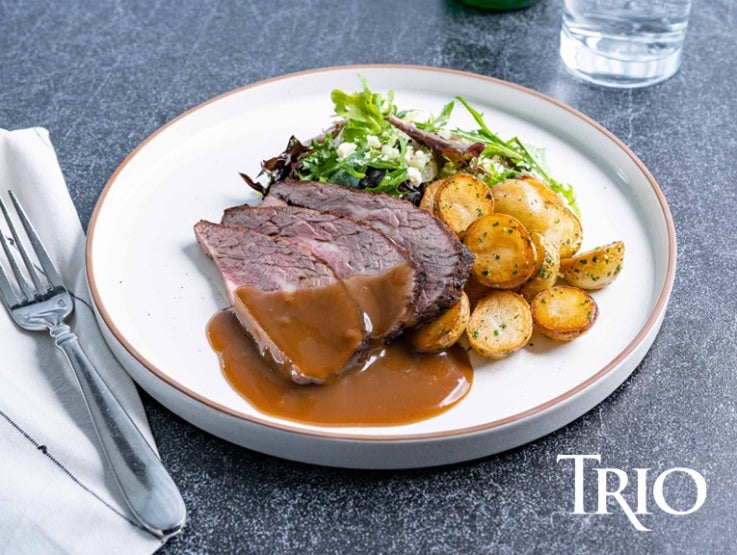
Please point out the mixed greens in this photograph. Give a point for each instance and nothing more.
(378, 147)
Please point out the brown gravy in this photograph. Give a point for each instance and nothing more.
(304, 342)
(395, 386)
(382, 297)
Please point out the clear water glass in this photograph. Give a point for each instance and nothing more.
(623, 43)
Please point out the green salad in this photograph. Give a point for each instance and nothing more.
(376, 146)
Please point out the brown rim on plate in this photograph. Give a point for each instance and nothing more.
(652, 321)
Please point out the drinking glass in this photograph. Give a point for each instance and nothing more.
(623, 43)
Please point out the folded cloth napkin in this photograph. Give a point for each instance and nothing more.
(56, 495)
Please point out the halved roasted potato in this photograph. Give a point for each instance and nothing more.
(500, 325)
(475, 290)
(594, 269)
(543, 190)
(444, 331)
(522, 200)
(546, 267)
(505, 255)
(564, 231)
(563, 312)
(427, 202)
(541, 210)
(460, 200)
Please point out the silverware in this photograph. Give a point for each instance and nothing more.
(43, 303)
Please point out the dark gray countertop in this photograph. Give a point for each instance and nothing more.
(102, 76)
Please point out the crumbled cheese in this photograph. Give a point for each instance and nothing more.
(419, 159)
(416, 158)
(390, 152)
(344, 150)
(491, 165)
(486, 164)
(414, 176)
(409, 152)
(373, 141)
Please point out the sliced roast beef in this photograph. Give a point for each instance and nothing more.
(444, 260)
(354, 251)
(299, 313)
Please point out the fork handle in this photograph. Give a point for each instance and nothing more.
(149, 491)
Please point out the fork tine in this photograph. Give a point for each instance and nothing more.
(6, 290)
(43, 257)
(21, 280)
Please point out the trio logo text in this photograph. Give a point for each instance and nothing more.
(604, 476)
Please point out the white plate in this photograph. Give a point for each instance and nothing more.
(154, 291)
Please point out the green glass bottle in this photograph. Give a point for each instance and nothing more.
(499, 5)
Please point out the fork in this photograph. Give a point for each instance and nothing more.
(44, 303)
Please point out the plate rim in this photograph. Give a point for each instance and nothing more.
(652, 323)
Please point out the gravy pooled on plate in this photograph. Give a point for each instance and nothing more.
(394, 386)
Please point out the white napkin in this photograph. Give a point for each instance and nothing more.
(56, 495)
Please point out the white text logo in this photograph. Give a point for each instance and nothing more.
(641, 485)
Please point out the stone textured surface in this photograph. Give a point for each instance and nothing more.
(101, 76)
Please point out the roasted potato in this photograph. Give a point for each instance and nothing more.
(543, 190)
(546, 267)
(594, 269)
(475, 290)
(500, 325)
(521, 199)
(565, 230)
(540, 210)
(427, 202)
(563, 312)
(444, 331)
(460, 200)
(505, 255)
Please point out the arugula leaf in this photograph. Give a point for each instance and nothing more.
(514, 153)
(435, 124)
(364, 112)
(495, 145)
